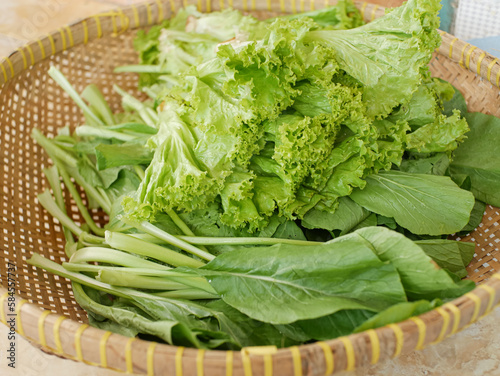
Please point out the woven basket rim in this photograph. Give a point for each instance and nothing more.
(339, 354)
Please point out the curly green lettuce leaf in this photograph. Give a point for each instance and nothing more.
(386, 56)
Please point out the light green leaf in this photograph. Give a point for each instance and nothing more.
(423, 204)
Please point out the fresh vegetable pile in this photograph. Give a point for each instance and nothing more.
(288, 180)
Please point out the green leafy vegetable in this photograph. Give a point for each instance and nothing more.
(424, 204)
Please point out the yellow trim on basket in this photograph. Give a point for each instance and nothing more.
(199, 6)
(229, 363)
(282, 6)
(172, 5)
(266, 352)
(78, 342)
(362, 10)
(312, 5)
(160, 10)
(327, 2)
(102, 349)
(269, 7)
(302, 5)
(128, 355)
(230, 3)
(63, 39)
(492, 292)
(19, 305)
(451, 47)
(446, 322)
(136, 15)
(477, 305)
(178, 361)
(328, 354)
(42, 48)
(297, 361)
(208, 6)
(11, 66)
(85, 32)
(349, 352)
(294, 6)
(57, 334)
(113, 22)
(398, 333)
(200, 355)
(4, 72)
(254, 5)
(498, 78)
(52, 44)
(375, 345)
(25, 61)
(32, 55)
(490, 67)
(245, 5)
(245, 360)
(149, 12)
(41, 328)
(2, 309)
(70, 36)
(98, 25)
(461, 61)
(456, 316)
(422, 331)
(479, 61)
(467, 56)
(150, 359)
(268, 365)
(372, 17)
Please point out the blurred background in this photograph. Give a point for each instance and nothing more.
(475, 21)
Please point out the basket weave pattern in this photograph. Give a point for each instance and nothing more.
(87, 52)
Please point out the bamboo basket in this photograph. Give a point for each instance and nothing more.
(45, 311)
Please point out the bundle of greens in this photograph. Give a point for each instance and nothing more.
(288, 180)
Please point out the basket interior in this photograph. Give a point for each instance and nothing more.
(32, 99)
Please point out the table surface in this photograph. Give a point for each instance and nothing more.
(472, 352)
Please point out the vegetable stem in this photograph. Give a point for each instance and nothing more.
(45, 199)
(113, 256)
(52, 176)
(70, 90)
(128, 243)
(170, 239)
(243, 241)
(79, 203)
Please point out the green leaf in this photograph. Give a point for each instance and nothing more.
(419, 275)
(338, 324)
(476, 217)
(449, 254)
(284, 283)
(436, 165)
(398, 313)
(457, 102)
(115, 155)
(347, 215)
(423, 204)
(478, 157)
(386, 55)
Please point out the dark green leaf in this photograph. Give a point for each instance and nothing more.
(285, 283)
(478, 157)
